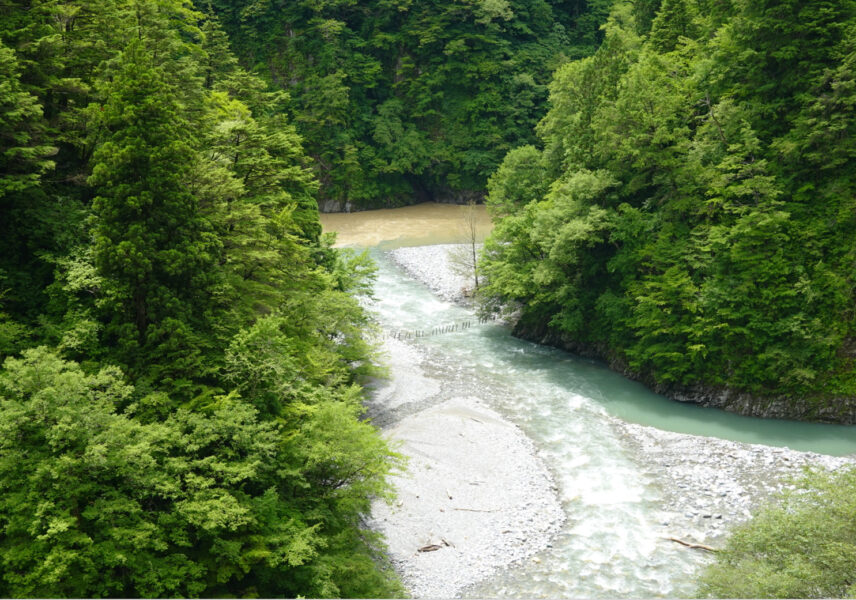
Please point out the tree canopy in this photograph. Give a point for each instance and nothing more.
(678, 215)
(401, 101)
(800, 546)
(180, 405)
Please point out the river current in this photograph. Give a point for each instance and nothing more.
(608, 545)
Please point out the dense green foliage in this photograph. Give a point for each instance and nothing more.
(180, 409)
(179, 401)
(105, 496)
(690, 208)
(802, 546)
(400, 100)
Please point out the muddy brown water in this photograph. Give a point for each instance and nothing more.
(419, 225)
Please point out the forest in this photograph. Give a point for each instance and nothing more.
(184, 351)
(401, 101)
(687, 212)
(180, 409)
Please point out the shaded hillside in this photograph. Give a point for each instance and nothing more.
(403, 101)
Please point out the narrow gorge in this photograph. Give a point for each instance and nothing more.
(482, 414)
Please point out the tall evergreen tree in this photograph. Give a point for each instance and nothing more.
(24, 155)
(674, 21)
(155, 251)
(24, 158)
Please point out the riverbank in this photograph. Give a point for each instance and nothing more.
(434, 266)
(841, 411)
(441, 267)
(707, 485)
(475, 497)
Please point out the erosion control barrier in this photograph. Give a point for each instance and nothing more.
(407, 334)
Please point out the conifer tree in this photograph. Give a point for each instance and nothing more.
(23, 151)
(24, 158)
(154, 250)
(219, 61)
(674, 21)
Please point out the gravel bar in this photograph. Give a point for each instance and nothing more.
(475, 496)
(435, 266)
(710, 484)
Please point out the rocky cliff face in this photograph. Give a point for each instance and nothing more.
(837, 410)
(337, 206)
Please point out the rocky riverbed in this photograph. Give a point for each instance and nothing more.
(475, 497)
(704, 485)
(708, 485)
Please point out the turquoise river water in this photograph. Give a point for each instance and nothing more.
(608, 546)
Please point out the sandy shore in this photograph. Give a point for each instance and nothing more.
(475, 496)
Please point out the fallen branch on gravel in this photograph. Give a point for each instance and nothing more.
(690, 545)
(473, 510)
(434, 547)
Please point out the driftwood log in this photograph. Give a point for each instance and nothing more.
(434, 547)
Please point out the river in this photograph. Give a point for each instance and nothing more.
(567, 406)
